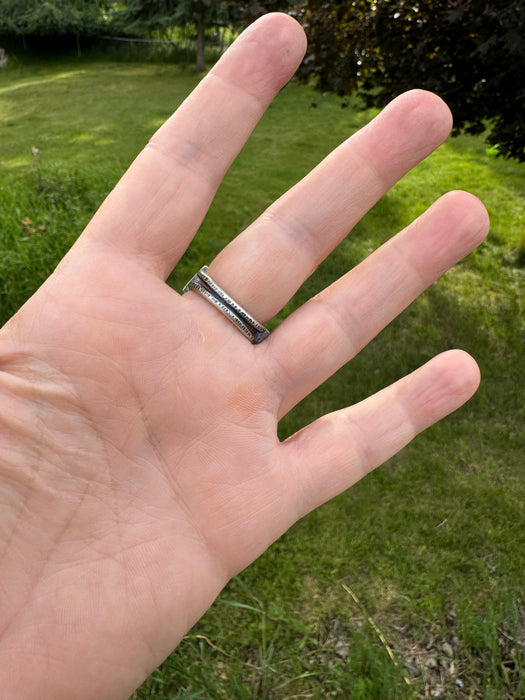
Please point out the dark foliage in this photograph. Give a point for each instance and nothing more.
(50, 17)
(470, 52)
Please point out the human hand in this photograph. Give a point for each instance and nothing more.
(140, 463)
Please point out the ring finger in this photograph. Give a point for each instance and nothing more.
(322, 335)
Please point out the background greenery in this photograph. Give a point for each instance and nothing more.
(470, 53)
(410, 584)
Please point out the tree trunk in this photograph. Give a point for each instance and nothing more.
(201, 60)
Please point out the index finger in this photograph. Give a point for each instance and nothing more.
(157, 207)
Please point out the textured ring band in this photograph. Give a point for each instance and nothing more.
(210, 290)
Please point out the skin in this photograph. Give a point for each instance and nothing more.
(140, 465)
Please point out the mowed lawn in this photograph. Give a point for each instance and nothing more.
(411, 583)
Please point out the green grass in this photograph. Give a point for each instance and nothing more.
(415, 573)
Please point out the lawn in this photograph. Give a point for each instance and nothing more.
(410, 585)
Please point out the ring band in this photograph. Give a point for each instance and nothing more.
(210, 290)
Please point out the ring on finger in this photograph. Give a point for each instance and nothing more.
(234, 312)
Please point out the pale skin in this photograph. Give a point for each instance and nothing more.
(140, 464)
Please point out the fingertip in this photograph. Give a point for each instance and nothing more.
(286, 26)
(265, 55)
(458, 377)
(472, 209)
(284, 33)
(425, 114)
(449, 230)
(430, 105)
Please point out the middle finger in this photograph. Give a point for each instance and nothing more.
(265, 265)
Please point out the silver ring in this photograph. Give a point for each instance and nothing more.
(241, 319)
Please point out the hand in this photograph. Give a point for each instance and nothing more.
(140, 464)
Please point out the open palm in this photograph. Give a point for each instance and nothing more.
(140, 465)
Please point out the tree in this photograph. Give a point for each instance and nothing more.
(160, 16)
(25, 18)
(144, 17)
(201, 14)
(471, 52)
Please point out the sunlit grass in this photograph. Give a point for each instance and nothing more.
(432, 544)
